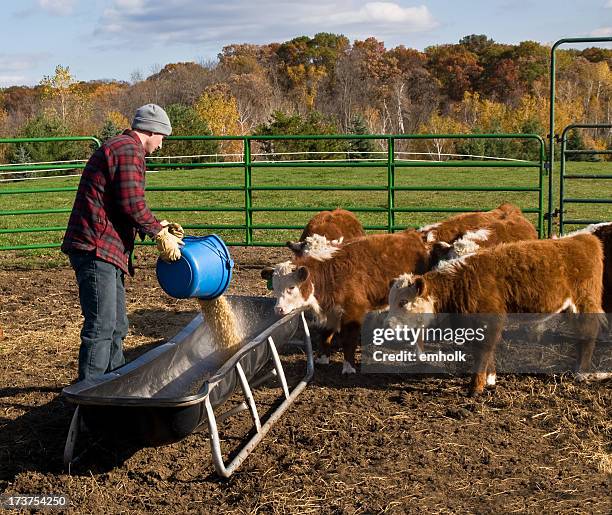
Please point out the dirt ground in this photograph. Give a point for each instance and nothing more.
(358, 444)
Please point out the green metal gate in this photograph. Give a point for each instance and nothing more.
(605, 178)
(564, 177)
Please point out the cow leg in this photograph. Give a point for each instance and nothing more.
(484, 366)
(588, 325)
(327, 336)
(349, 337)
(491, 373)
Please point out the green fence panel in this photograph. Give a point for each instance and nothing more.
(389, 169)
(606, 180)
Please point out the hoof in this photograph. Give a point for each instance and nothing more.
(582, 377)
(347, 368)
(322, 360)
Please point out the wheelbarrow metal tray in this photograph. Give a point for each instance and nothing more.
(159, 397)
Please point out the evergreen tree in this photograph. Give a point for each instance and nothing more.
(41, 152)
(108, 130)
(21, 155)
(576, 142)
(359, 148)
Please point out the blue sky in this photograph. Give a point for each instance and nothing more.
(112, 39)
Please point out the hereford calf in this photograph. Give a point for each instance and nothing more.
(454, 227)
(325, 231)
(334, 225)
(604, 232)
(543, 276)
(514, 227)
(354, 279)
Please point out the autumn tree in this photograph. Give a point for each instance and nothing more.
(64, 99)
(382, 77)
(478, 44)
(218, 108)
(242, 59)
(456, 67)
(414, 92)
(3, 132)
(306, 62)
(532, 60)
(187, 122)
(438, 125)
(179, 83)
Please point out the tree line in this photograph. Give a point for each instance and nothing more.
(327, 85)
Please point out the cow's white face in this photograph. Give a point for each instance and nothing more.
(288, 284)
(406, 299)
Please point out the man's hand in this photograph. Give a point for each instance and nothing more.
(173, 228)
(168, 245)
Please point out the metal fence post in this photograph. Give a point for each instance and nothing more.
(391, 184)
(248, 192)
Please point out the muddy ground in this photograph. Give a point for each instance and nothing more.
(359, 444)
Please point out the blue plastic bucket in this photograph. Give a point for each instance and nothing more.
(204, 270)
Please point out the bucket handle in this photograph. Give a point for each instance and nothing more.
(229, 263)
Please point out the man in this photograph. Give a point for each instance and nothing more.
(108, 212)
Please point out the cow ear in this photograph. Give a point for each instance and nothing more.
(296, 246)
(267, 272)
(419, 285)
(302, 273)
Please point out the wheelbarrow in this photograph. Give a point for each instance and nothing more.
(170, 391)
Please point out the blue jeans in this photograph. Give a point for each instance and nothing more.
(102, 297)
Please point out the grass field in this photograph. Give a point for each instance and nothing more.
(188, 207)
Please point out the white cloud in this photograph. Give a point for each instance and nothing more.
(58, 7)
(16, 67)
(412, 18)
(194, 22)
(129, 4)
(601, 32)
(12, 80)
(19, 62)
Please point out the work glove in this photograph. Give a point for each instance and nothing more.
(168, 245)
(173, 228)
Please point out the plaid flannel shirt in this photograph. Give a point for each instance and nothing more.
(110, 208)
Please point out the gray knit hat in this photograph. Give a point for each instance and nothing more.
(152, 118)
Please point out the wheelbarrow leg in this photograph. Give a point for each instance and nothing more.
(73, 433)
(262, 430)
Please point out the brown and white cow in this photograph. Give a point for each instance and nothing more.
(604, 232)
(323, 233)
(456, 226)
(514, 227)
(355, 279)
(541, 276)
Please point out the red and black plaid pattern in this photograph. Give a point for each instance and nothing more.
(110, 208)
